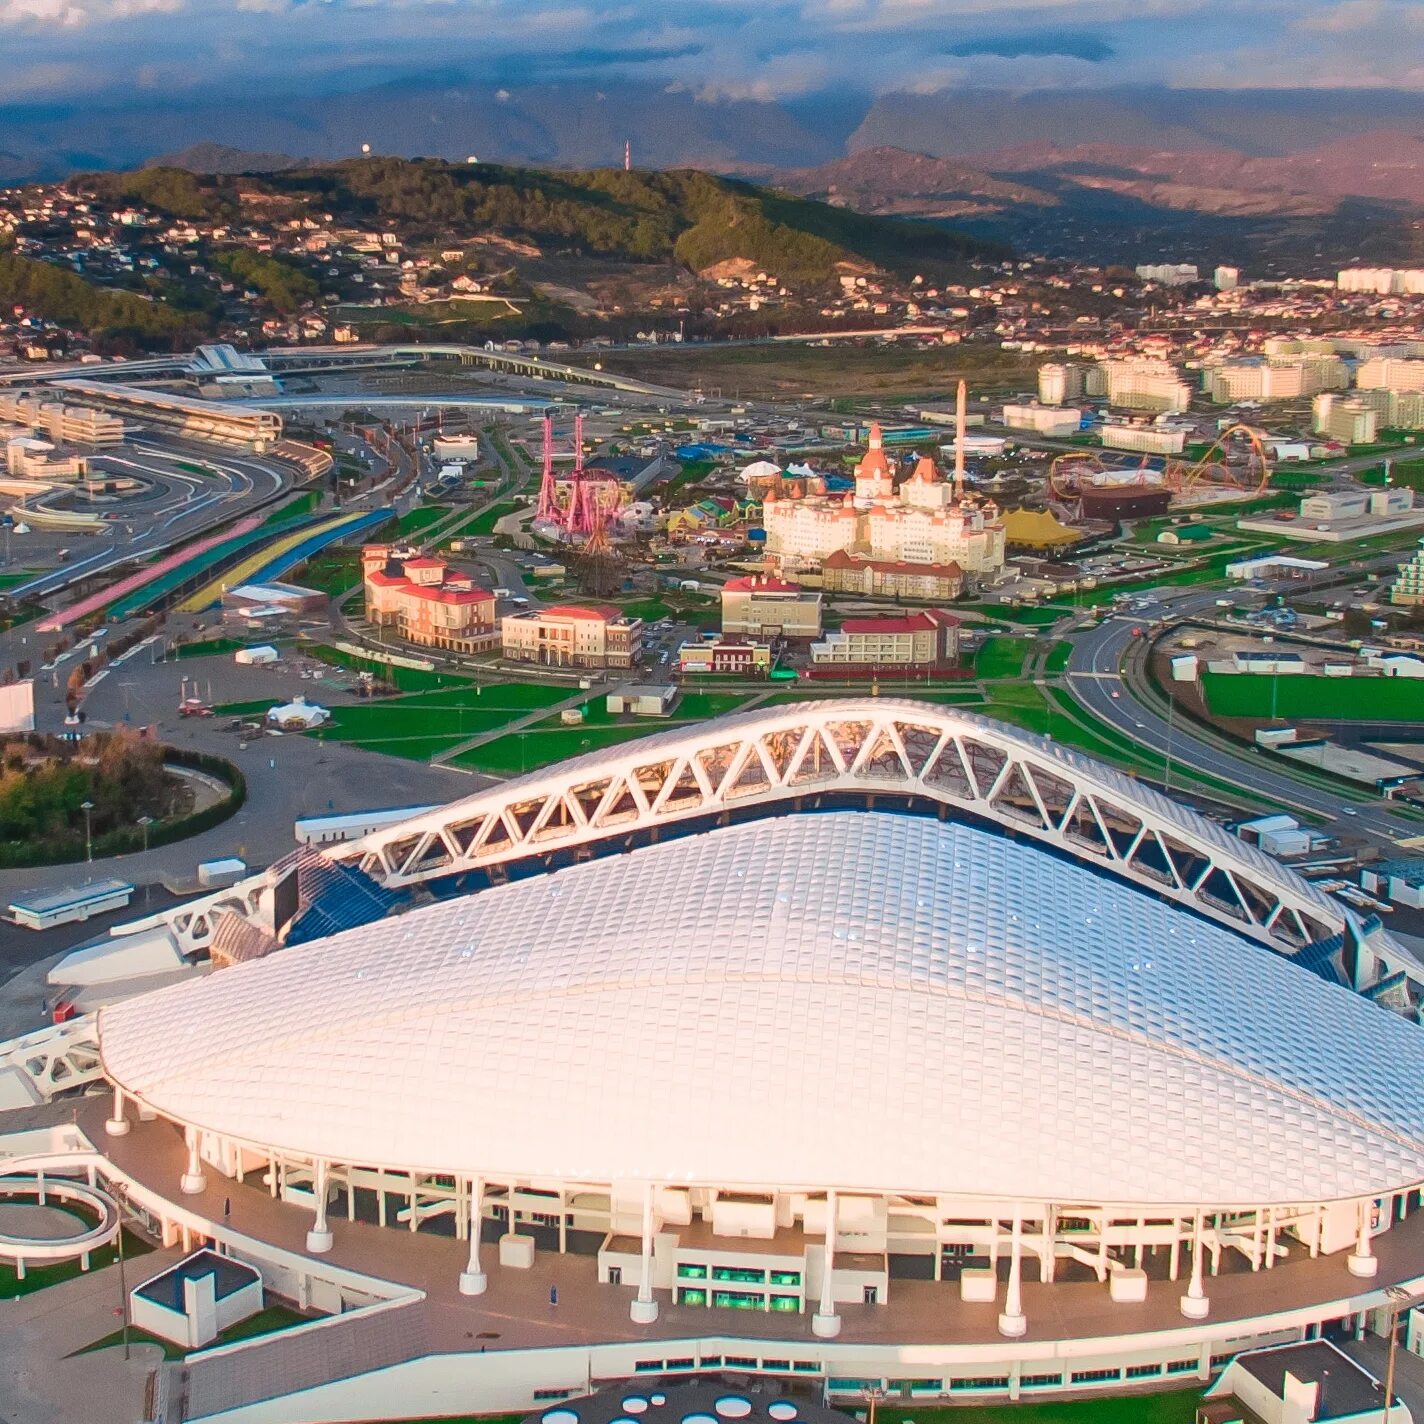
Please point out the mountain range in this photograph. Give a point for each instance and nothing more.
(1134, 171)
(1356, 196)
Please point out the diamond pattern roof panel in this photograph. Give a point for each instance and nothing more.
(754, 1005)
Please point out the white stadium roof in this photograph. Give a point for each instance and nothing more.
(857, 1000)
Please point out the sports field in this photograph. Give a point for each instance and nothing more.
(1320, 699)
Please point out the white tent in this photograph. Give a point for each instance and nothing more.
(760, 470)
(259, 656)
(298, 715)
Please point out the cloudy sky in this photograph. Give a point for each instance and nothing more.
(782, 49)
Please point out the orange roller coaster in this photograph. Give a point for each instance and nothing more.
(1237, 461)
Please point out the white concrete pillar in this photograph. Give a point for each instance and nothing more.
(193, 1180)
(1048, 1267)
(473, 1280)
(319, 1238)
(118, 1124)
(825, 1322)
(1012, 1321)
(644, 1309)
(1363, 1262)
(1195, 1303)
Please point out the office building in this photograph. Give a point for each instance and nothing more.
(573, 635)
(766, 607)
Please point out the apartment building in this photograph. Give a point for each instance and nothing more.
(928, 638)
(1146, 383)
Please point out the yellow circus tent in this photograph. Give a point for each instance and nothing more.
(1037, 529)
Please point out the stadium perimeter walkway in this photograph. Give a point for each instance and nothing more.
(515, 1312)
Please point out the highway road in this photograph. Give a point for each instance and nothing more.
(182, 505)
(1096, 682)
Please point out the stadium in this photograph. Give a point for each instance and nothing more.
(866, 1041)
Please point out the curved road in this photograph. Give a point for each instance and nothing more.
(1095, 675)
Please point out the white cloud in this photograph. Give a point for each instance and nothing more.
(71, 14)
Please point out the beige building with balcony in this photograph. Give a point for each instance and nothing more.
(573, 635)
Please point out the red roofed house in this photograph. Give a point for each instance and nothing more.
(427, 602)
(573, 635)
(844, 572)
(927, 638)
(766, 607)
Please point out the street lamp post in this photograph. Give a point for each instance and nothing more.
(118, 1192)
(1399, 1300)
(88, 808)
(145, 822)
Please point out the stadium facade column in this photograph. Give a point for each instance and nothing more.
(644, 1309)
(319, 1237)
(1194, 1304)
(473, 1280)
(1012, 1321)
(825, 1322)
(118, 1124)
(193, 1180)
(1048, 1263)
(1363, 1261)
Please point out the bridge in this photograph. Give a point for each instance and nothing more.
(295, 360)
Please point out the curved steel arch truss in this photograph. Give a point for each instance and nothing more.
(871, 747)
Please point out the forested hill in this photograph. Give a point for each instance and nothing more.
(691, 217)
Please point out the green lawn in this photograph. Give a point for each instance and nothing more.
(1002, 657)
(484, 522)
(265, 1322)
(404, 678)
(304, 503)
(1057, 659)
(958, 696)
(209, 648)
(527, 751)
(1402, 472)
(1176, 1407)
(550, 740)
(332, 571)
(1028, 614)
(422, 724)
(1329, 699)
(38, 1277)
(421, 517)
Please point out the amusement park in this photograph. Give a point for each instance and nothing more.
(1093, 485)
